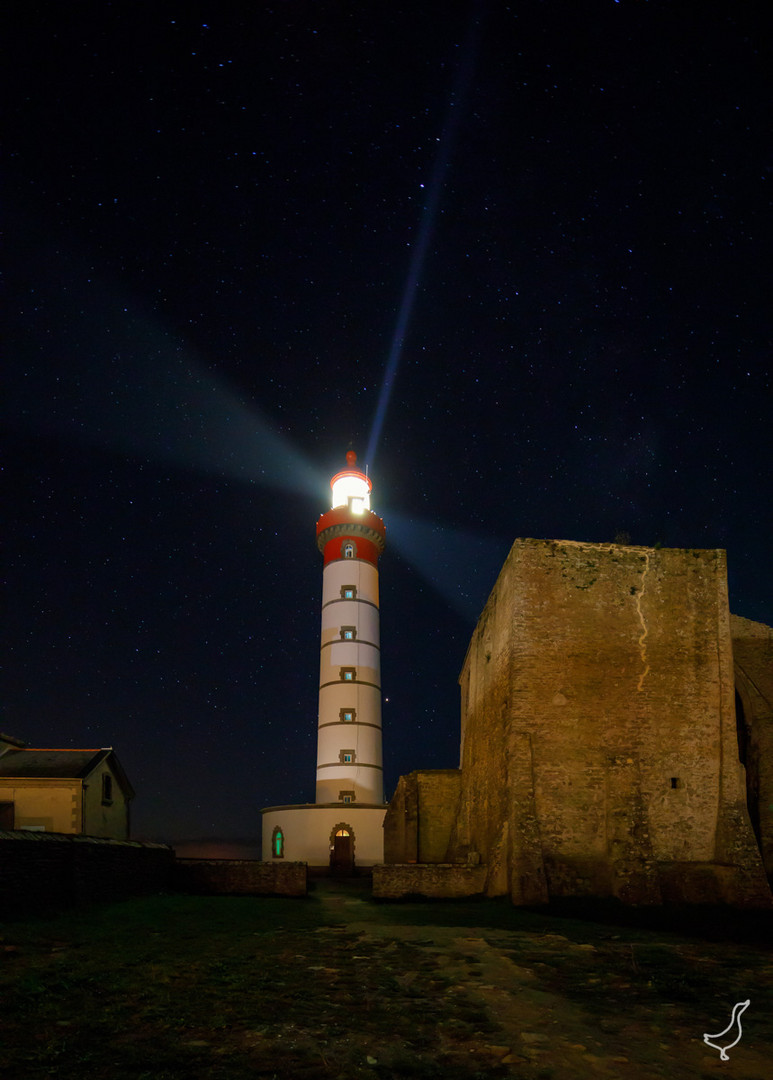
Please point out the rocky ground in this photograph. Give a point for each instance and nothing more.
(592, 1001)
(337, 986)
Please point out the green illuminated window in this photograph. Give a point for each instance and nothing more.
(278, 844)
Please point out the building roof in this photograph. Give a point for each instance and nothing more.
(61, 765)
(10, 741)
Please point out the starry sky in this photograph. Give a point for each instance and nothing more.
(516, 255)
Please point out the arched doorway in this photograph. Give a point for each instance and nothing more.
(753, 664)
(749, 757)
(342, 849)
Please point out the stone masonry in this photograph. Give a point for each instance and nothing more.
(600, 754)
(753, 664)
(417, 828)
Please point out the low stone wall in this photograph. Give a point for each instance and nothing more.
(702, 883)
(240, 877)
(42, 871)
(440, 881)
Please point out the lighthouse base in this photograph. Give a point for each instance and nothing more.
(337, 835)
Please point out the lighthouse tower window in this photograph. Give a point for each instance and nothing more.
(347, 716)
(348, 550)
(346, 757)
(348, 633)
(348, 592)
(278, 844)
(348, 674)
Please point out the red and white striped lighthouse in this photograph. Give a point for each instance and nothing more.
(351, 538)
(344, 827)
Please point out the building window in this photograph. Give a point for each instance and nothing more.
(347, 716)
(348, 674)
(676, 782)
(346, 796)
(346, 757)
(348, 592)
(107, 789)
(278, 844)
(348, 550)
(348, 633)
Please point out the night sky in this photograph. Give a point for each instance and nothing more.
(517, 256)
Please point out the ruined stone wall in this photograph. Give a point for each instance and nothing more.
(240, 877)
(438, 798)
(599, 725)
(418, 823)
(753, 661)
(401, 823)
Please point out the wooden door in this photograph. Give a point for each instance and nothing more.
(342, 856)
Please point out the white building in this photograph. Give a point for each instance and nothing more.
(344, 827)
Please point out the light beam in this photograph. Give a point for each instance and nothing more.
(113, 376)
(461, 566)
(426, 227)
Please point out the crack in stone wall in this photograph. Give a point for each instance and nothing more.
(645, 631)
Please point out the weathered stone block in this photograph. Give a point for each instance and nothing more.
(418, 823)
(599, 741)
(432, 880)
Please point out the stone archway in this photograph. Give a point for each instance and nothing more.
(753, 669)
(342, 849)
(748, 755)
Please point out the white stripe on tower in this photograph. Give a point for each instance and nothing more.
(351, 538)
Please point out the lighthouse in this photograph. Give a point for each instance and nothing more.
(351, 538)
(343, 828)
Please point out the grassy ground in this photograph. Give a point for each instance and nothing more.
(335, 986)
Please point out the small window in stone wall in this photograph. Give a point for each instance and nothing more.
(348, 633)
(347, 716)
(107, 789)
(277, 844)
(676, 782)
(346, 757)
(348, 592)
(348, 674)
(346, 796)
